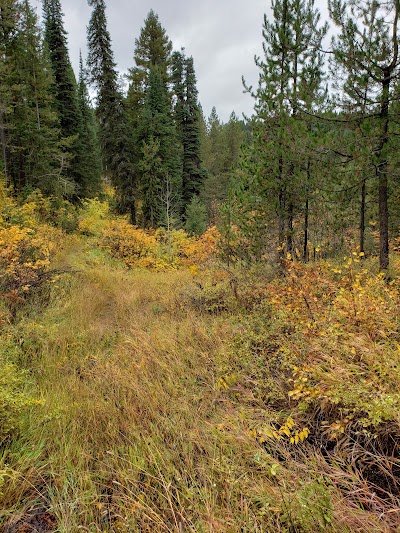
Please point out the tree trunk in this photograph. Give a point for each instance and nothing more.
(132, 212)
(281, 214)
(382, 176)
(289, 236)
(306, 213)
(3, 142)
(362, 215)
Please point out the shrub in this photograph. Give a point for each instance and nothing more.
(157, 250)
(93, 217)
(27, 245)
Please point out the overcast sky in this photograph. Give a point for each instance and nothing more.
(222, 36)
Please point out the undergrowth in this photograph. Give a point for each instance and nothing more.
(189, 396)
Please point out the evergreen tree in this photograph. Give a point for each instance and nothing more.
(8, 30)
(152, 49)
(114, 135)
(28, 125)
(214, 145)
(196, 217)
(289, 81)
(187, 117)
(366, 51)
(89, 155)
(159, 165)
(221, 153)
(64, 88)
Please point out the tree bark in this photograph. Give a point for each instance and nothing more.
(362, 215)
(3, 142)
(382, 164)
(289, 236)
(306, 214)
(382, 175)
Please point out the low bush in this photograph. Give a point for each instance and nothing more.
(160, 249)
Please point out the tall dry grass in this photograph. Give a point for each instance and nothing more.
(136, 433)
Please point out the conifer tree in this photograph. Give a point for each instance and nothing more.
(64, 88)
(115, 140)
(289, 81)
(152, 49)
(367, 54)
(214, 144)
(64, 79)
(159, 164)
(29, 126)
(221, 153)
(196, 217)
(149, 105)
(89, 156)
(187, 117)
(8, 30)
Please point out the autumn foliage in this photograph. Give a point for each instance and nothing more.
(344, 348)
(158, 250)
(27, 245)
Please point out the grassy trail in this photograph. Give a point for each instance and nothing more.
(126, 439)
(135, 433)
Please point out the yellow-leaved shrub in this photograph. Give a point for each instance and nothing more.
(27, 245)
(93, 216)
(159, 249)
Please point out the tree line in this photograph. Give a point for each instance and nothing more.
(315, 166)
(152, 143)
(322, 168)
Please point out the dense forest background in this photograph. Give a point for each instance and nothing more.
(315, 166)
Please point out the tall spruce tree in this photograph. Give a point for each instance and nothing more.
(28, 125)
(149, 104)
(221, 145)
(115, 140)
(8, 31)
(159, 165)
(89, 156)
(64, 89)
(187, 117)
(152, 49)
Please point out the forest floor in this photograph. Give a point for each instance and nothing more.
(156, 410)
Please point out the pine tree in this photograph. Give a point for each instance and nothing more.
(289, 81)
(152, 175)
(115, 140)
(29, 126)
(8, 30)
(152, 49)
(213, 143)
(196, 217)
(89, 154)
(64, 88)
(366, 51)
(156, 135)
(221, 153)
(187, 118)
